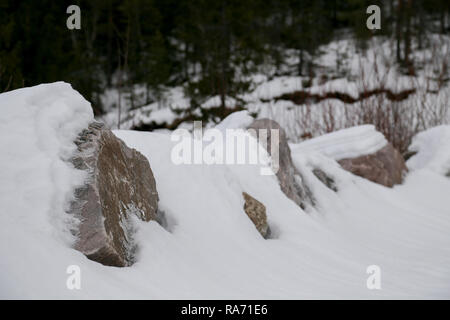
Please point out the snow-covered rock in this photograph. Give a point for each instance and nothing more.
(386, 166)
(346, 143)
(37, 128)
(290, 178)
(362, 151)
(325, 179)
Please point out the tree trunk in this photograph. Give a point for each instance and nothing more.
(407, 41)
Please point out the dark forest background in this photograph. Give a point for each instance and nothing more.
(206, 46)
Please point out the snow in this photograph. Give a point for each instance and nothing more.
(215, 102)
(210, 248)
(433, 150)
(343, 144)
(37, 129)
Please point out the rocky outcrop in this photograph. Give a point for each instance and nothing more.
(290, 179)
(256, 211)
(385, 167)
(120, 185)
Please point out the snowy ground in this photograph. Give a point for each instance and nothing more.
(211, 249)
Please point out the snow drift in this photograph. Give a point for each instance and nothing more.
(345, 143)
(211, 249)
(433, 150)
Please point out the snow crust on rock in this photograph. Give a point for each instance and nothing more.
(346, 143)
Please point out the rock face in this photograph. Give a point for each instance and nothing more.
(290, 179)
(256, 211)
(120, 184)
(385, 167)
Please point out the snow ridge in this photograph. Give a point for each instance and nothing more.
(433, 150)
(37, 128)
(346, 143)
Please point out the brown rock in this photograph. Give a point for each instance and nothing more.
(290, 179)
(385, 167)
(256, 211)
(120, 184)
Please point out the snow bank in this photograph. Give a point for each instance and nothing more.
(37, 129)
(433, 150)
(38, 126)
(346, 143)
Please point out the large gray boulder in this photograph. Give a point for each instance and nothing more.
(120, 185)
(386, 166)
(290, 179)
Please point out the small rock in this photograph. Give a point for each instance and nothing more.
(256, 211)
